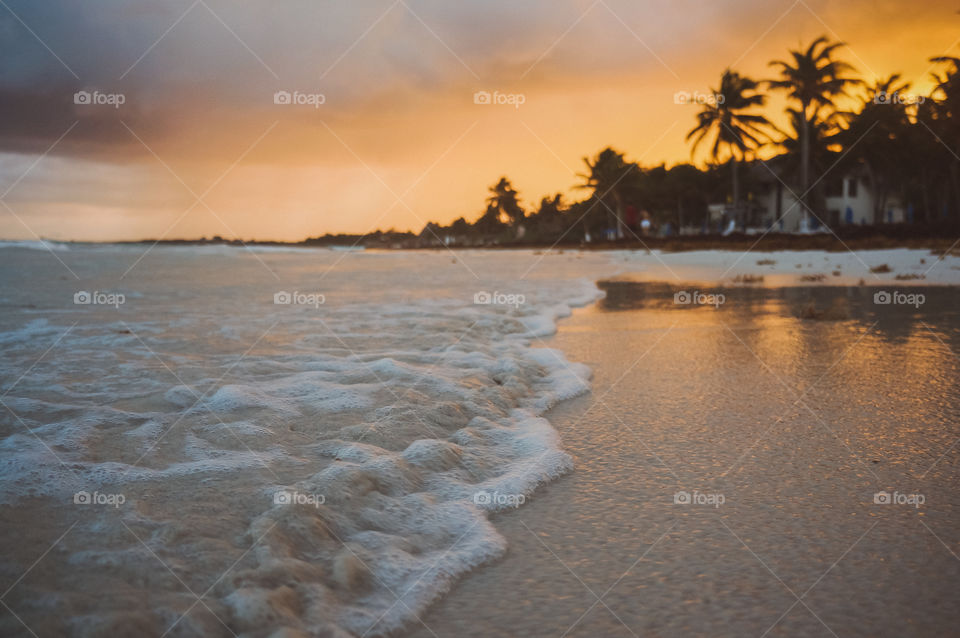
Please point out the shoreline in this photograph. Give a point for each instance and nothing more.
(847, 239)
(606, 549)
(660, 396)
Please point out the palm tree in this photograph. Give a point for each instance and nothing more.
(489, 224)
(735, 131)
(505, 200)
(947, 90)
(941, 116)
(825, 131)
(880, 130)
(686, 193)
(609, 178)
(547, 221)
(813, 78)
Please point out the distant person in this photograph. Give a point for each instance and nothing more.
(630, 217)
(645, 223)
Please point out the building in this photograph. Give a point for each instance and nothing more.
(847, 198)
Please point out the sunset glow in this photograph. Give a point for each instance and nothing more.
(199, 148)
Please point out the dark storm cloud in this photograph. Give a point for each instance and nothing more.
(187, 65)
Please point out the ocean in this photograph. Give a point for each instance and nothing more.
(264, 438)
(219, 440)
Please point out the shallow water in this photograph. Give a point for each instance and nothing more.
(332, 466)
(794, 423)
(185, 455)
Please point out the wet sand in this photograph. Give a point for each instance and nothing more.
(782, 430)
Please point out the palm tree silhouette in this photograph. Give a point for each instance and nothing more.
(813, 78)
(735, 131)
(609, 178)
(948, 84)
(881, 130)
(826, 131)
(942, 117)
(505, 200)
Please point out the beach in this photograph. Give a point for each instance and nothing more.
(400, 319)
(477, 443)
(786, 429)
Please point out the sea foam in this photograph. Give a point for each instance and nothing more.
(320, 469)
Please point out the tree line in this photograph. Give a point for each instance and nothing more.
(903, 146)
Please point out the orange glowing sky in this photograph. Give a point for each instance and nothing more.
(200, 149)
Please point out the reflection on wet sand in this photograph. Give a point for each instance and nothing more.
(736, 457)
(897, 314)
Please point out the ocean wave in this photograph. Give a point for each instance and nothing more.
(34, 244)
(338, 477)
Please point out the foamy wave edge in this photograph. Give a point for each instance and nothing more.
(398, 529)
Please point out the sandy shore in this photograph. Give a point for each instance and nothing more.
(782, 431)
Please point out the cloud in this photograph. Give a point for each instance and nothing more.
(198, 80)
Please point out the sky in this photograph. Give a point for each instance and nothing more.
(133, 119)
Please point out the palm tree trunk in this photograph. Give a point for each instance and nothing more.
(618, 202)
(956, 187)
(734, 168)
(804, 162)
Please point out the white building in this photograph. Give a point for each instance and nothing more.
(848, 198)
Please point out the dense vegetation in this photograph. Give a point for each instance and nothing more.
(902, 145)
